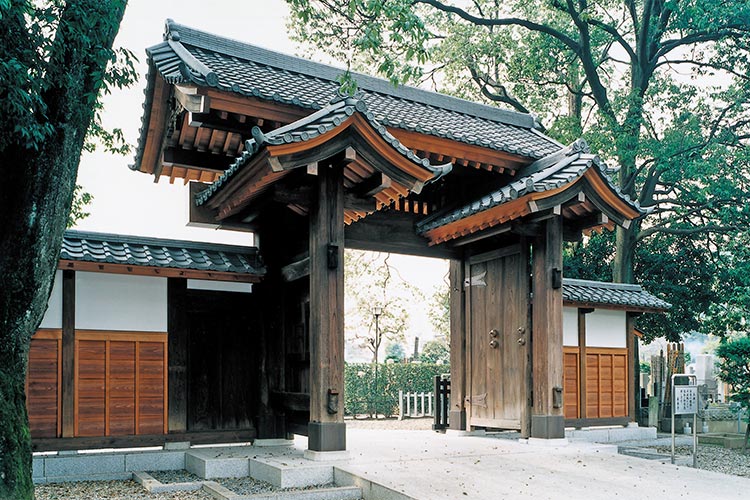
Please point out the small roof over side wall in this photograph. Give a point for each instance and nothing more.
(123, 254)
(625, 296)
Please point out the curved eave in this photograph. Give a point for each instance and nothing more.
(605, 198)
(283, 152)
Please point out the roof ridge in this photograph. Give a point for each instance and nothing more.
(602, 284)
(294, 64)
(152, 241)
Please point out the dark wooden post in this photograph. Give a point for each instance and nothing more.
(327, 431)
(177, 348)
(634, 368)
(457, 415)
(582, 388)
(68, 352)
(547, 419)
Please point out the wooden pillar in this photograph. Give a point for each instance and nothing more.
(457, 415)
(68, 352)
(327, 431)
(634, 368)
(177, 348)
(582, 360)
(547, 420)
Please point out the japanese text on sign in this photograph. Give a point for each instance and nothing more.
(685, 400)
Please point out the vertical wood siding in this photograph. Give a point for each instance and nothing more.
(571, 383)
(120, 383)
(43, 383)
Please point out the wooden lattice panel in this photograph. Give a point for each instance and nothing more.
(606, 383)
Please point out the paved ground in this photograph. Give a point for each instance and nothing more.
(425, 465)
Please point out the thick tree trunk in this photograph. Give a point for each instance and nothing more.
(624, 254)
(35, 199)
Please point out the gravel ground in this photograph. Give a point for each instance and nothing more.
(714, 458)
(110, 490)
(174, 476)
(246, 485)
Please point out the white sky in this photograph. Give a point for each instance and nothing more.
(128, 202)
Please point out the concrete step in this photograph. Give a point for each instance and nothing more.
(290, 471)
(212, 463)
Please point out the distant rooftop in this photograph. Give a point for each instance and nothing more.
(619, 294)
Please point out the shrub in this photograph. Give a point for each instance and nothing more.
(360, 397)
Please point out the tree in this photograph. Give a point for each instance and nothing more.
(435, 352)
(55, 59)
(371, 281)
(394, 351)
(660, 89)
(734, 369)
(439, 311)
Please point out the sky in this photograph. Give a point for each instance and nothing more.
(128, 202)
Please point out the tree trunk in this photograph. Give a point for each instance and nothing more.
(624, 254)
(35, 199)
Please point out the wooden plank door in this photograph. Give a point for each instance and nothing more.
(497, 300)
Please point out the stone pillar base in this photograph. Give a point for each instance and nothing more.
(457, 420)
(547, 426)
(326, 436)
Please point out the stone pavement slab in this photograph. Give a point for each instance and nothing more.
(429, 466)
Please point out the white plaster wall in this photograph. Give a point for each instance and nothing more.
(53, 316)
(220, 286)
(605, 328)
(570, 326)
(121, 302)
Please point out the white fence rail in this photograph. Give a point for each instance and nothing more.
(415, 404)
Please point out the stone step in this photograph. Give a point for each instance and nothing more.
(213, 463)
(290, 472)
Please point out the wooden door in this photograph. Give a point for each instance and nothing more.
(497, 303)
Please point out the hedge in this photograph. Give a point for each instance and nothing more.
(360, 397)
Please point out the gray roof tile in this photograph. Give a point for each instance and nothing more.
(192, 56)
(619, 294)
(140, 251)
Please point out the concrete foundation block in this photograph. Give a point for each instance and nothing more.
(84, 465)
(220, 492)
(368, 488)
(161, 460)
(296, 474)
(115, 476)
(211, 468)
(37, 467)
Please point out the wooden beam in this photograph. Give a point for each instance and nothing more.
(547, 419)
(296, 270)
(91, 443)
(391, 231)
(203, 160)
(68, 352)
(290, 401)
(157, 126)
(191, 99)
(162, 272)
(457, 412)
(327, 431)
(373, 185)
(459, 151)
(202, 216)
(254, 107)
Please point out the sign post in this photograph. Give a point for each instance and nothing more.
(685, 402)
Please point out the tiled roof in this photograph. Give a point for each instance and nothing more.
(557, 170)
(319, 123)
(619, 294)
(191, 56)
(153, 252)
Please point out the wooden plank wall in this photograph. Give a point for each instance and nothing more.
(121, 383)
(606, 382)
(571, 383)
(43, 384)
